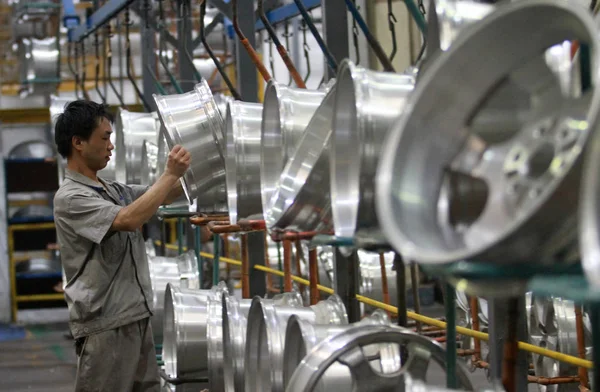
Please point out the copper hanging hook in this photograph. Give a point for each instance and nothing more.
(280, 48)
(244, 41)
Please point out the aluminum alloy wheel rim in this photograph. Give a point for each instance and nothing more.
(301, 337)
(203, 138)
(360, 126)
(163, 271)
(301, 201)
(322, 356)
(286, 113)
(234, 339)
(185, 345)
(267, 322)
(149, 163)
(396, 190)
(132, 129)
(214, 337)
(242, 162)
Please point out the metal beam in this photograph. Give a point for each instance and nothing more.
(152, 22)
(256, 256)
(99, 18)
(208, 29)
(184, 38)
(286, 12)
(148, 43)
(335, 30)
(246, 70)
(223, 6)
(70, 17)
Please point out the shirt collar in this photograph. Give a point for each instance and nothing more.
(80, 178)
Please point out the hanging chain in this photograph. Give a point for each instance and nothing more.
(422, 8)
(355, 36)
(392, 26)
(306, 50)
(287, 35)
(271, 58)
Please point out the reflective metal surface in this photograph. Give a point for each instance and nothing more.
(163, 271)
(39, 64)
(551, 323)
(286, 113)
(188, 270)
(345, 349)
(162, 153)
(149, 165)
(194, 121)
(132, 129)
(371, 278)
(185, 345)
(521, 192)
(266, 333)
(234, 341)
(301, 337)
(366, 104)
(214, 337)
(301, 200)
(32, 149)
(242, 162)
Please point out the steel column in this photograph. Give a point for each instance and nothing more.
(148, 45)
(498, 318)
(185, 43)
(247, 81)
(346, 282)
(335, 30)
(256, 256)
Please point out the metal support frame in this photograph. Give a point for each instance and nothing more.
(346, 282)
(148, 44)
(99, 18)
(247, 81)
(223, 6)
(208, 29)
(256, 256)
(335, 30)
(498, 318)
(185, 45)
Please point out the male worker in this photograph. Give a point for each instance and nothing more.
(98, 226)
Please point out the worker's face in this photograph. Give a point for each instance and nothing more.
(96, 151)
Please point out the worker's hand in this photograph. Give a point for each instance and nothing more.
(178, 161)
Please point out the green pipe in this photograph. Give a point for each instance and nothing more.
(180, 235)
(197, 250)
(451, 381)
(417, 16)
(216, 258)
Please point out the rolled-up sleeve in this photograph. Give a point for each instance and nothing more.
(90, 217)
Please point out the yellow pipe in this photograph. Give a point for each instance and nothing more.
(40, 297)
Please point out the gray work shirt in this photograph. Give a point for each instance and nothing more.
(108, 279)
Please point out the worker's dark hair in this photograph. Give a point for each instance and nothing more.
(79, 118)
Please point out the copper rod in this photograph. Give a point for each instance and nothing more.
(204, 220)
(464, 353)
(474, 307)
(552, 380)
(384, 281)
(313, 276)
(270, 287)
(511, 348)
(244, 41)
(287, 266)
(280, 48)
(245, 268)
(298, 262)
(581, 371)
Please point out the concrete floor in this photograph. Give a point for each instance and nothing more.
(36, 359)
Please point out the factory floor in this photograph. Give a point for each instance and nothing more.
(41, 358)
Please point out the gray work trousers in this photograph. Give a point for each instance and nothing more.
(119, 360)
